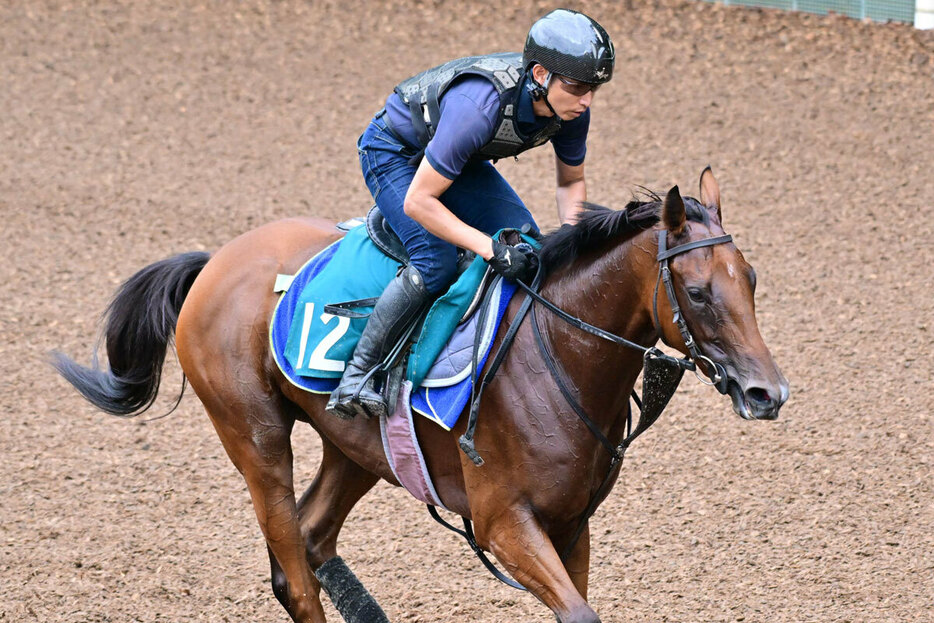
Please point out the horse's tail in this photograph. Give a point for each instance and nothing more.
(139, 324)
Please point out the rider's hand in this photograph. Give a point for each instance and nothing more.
(513, 263)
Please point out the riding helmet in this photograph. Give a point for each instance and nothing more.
(571, 44)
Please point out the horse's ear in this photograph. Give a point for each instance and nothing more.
(673, 211)
(710, 191)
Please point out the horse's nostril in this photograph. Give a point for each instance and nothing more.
(758, 395)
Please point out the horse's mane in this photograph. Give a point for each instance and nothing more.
(597, 224)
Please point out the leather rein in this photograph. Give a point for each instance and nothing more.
(718, 378)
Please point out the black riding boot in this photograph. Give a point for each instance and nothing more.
(402, 300)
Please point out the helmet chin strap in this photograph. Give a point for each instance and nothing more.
(540, 92)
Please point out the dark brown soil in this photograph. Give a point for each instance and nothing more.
(132, 131)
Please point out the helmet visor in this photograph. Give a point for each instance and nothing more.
(575, 87)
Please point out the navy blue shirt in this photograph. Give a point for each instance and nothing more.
(469, 109)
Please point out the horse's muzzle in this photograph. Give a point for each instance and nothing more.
(758, 401)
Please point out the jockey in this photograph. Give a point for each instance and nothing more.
(425, 158)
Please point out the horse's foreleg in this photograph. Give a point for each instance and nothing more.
(522, 546)
(256, 437)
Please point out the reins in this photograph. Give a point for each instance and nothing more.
(663, 381)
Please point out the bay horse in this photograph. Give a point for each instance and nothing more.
(543, 468)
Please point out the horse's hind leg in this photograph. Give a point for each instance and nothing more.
(256, 431)
(337, 487)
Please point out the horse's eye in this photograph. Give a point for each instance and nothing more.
(697, 295)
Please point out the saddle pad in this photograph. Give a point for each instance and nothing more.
(446, 388)
(282, 316)
(320, 343)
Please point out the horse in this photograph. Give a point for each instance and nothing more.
(543, 473)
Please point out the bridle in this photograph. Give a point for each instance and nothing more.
(715, 371)
(718, 378)
(661, 375)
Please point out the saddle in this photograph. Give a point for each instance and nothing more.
(384, 237)
(323, 309)
(392, 368)
(387, 241)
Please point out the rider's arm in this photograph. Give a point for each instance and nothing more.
(571, 191)
(570, 146)
(422, 204)
(468, 110)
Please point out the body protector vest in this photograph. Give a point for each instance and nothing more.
(422, 92)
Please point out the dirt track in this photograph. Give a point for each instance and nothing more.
(131, 132)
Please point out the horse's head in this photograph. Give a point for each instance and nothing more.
(714, 286)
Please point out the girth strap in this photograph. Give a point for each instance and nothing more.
(468, 535)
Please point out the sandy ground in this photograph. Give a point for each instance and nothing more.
(133, 131)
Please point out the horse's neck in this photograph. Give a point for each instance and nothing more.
(610, 287)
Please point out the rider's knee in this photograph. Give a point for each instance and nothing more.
(439, 271)
(438, 282)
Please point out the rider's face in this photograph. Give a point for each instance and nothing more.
(568, 97)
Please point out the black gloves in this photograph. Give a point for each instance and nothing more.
(516, 263)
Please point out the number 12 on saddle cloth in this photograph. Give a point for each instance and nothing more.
(319, 343)
(352, 268)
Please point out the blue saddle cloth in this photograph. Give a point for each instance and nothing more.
(311, 346)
